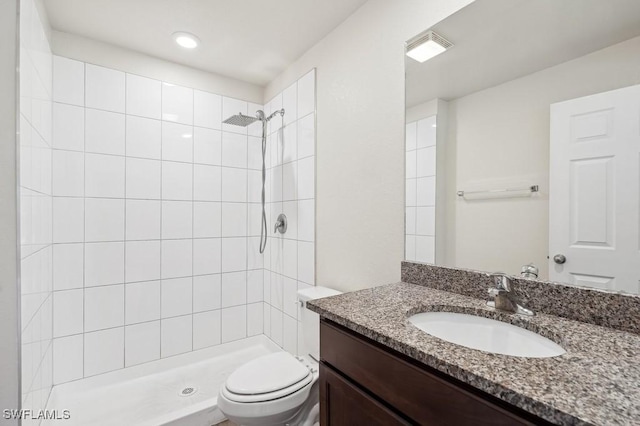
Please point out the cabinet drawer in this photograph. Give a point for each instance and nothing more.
(413, 390)
(343, 404)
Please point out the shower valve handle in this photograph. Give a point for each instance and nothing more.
(281, 224)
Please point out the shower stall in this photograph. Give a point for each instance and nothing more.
(153, 251)
(243, 121)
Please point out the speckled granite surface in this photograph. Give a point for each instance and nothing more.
(596, 382)
(615, 310)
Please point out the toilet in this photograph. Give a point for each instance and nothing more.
(279, 388)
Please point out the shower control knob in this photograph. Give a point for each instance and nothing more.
(281, 224)
(559, 259)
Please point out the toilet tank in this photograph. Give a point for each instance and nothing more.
(310, 320)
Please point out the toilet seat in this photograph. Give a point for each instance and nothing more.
(267, 378)
(268, 396)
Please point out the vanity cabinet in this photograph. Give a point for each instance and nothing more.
(365, 383)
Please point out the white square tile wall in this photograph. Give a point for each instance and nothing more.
(104, 132)
(289, 262)
(177, 103)
(156, 218)
(143, 97)
(206, 329)
(143, 137)
(142, 343)
(176, 335)
(103, 351)
(37, 167)
(104, 88)
(142, 302)
(420, 219)
(68, 127)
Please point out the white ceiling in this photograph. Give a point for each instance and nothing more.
(499, 40)
(250, 40)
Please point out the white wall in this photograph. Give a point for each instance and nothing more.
(267, 300)
(289, 257)
(9, 288)
(156, 214)
(110, 56)
(35, 207)
(360, 139)
(154, 250)
(502, 138)
(423, 110)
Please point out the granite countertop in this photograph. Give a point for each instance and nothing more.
(597, 381)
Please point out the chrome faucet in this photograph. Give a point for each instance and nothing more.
(504, 298)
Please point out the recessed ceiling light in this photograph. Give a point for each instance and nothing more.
(186, 40)
(426, 46)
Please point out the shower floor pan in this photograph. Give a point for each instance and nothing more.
(178, 391)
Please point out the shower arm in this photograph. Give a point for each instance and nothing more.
(276, 112)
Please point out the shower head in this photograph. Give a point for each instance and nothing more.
(241, 120)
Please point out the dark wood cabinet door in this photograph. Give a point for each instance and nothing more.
(416, 392)
(344, 404)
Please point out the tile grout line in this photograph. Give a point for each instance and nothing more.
(84, 231)
(51, 231)
(161, 219)
(280, 133)
(124, 233)
(193, 184)
(221, 185)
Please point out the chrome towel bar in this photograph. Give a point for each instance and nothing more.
(494, 193)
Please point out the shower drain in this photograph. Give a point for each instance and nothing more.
(188, 391)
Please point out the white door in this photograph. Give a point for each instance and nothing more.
(594, 198)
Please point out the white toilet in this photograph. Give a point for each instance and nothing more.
(279, 388)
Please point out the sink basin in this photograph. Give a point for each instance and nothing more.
(486, 334)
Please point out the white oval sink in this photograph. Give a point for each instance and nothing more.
(486, 334)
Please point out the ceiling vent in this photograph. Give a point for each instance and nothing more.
(427, 45)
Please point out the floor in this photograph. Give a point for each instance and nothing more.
(152, 394)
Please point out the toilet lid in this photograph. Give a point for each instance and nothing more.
(269, 373)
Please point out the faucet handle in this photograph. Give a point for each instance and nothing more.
(281, 224)
(502, 281)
